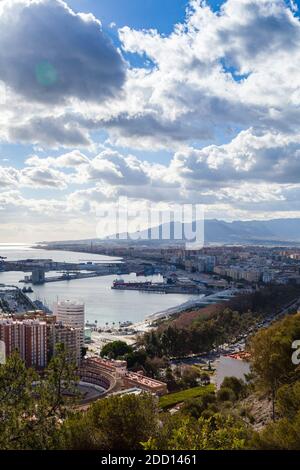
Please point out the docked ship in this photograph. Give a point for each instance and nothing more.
(121, 284)
(159, 287)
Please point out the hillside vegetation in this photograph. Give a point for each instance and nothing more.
(207, 329)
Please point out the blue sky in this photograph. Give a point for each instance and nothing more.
(204, 113)
(161, 14)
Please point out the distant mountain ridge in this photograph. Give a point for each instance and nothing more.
(285, 230)
(242, 232)
(274, 231)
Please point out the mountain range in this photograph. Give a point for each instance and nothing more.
(237, 232)
(265, 232)
(253, 231)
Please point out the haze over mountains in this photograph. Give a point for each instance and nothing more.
(275, 231)
(241, 232)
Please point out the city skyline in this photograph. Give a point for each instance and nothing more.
(149, 230)
(198, 105)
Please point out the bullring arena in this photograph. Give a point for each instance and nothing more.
(100, 377)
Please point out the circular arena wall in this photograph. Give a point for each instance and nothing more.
(93, 373)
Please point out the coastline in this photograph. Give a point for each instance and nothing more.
(101, 338)
(195, 302)
(102, 303)
(138, 326)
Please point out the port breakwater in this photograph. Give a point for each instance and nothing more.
(69, 271)
(70, 277)
(102, 303)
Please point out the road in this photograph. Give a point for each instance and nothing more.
(239, 344)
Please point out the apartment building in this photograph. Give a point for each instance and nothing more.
(69, 337)
(71, 314)
(28, 337)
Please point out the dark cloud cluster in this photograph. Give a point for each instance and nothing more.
(51, 131)
(48, 54)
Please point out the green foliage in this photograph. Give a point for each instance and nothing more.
(226, 394)
(274, 372)
(33, 407)
(173, 398)
(195, 407)
(190, 377)
(184, 377)
(205, 378)
(170, 379)
(154, 365)
(288, 400)
(281, 435)
(205, 333)
(271, 354)
(237, 386)
(116, 349)
(59, 382)
(214, 433)
(199, 337)
(136, 358)
(113, 423)
(16, 393)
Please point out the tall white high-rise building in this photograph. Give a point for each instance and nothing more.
(71, 313)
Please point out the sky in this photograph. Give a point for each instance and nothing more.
(155, 103)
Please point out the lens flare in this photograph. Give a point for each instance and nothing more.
(46, 74)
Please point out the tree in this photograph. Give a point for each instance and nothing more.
(136, 358)
(205, 378)
(236, 385)
(215, 433)
(153, 366)
(288, 400)
(284, 434)
(271, 351)
(114, 423)
(170, 380)
(116, 349)
(32, 406)
(226, 394)
(196, 406)
(15, 402)
(190, 376)
(60, 382)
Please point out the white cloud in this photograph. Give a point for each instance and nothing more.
(9, 177)
(43, 178)
(51, 60)
(51, 131)
(49, 54)
(230, 75)
(67, 160)
(217, 71)
(251, 156)
(253, 169)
